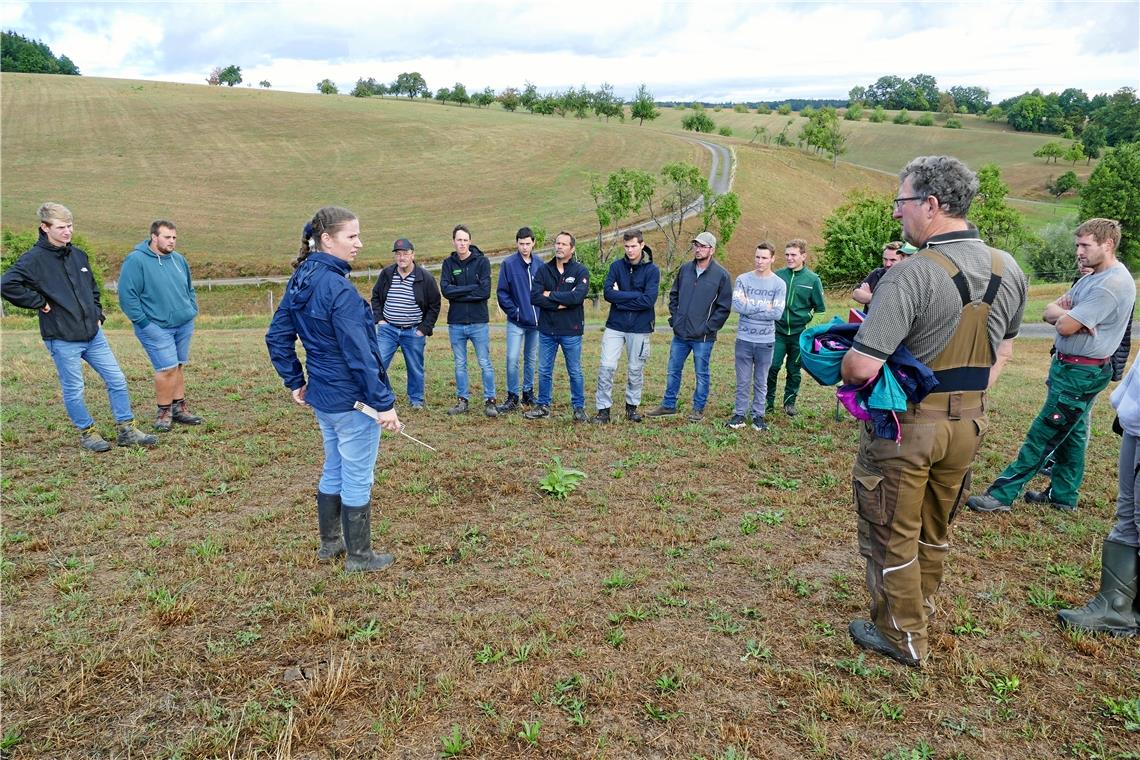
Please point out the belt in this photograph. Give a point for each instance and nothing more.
(1083, 360)
(953, 405)
(404, 327)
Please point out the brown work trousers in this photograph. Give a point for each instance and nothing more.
(906, 495)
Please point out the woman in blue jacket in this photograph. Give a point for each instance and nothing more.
(322, 308)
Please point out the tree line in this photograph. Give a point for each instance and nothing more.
(18, 53)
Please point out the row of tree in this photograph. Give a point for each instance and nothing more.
(18, 53)
(921, 93)
(1114, 118)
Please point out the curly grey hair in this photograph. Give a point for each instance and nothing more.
(946, 178)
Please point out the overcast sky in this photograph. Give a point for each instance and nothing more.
(683, 50)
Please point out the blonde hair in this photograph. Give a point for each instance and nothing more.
(54, 212)
(798, 243)
(1101, 230)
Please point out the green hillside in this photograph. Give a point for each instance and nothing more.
(240, 170)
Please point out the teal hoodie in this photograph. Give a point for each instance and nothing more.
(157, 289)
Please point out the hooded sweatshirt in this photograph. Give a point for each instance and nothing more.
(466, 284)
(156, 288)
(633, 299)
(60, 276)
(322, 308)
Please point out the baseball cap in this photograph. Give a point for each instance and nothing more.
(403, 244)
(705, 238)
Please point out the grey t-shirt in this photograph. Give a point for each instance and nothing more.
(1101, 301)
(760, 302)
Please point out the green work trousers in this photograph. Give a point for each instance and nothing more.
(1060, 430)
(785, 351)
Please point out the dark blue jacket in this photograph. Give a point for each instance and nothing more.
(334, 323)
(515, 281)
(569, 289)
(467, 286)
(699, 306)
(632, 303)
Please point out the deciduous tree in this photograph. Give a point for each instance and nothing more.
(230, 75)
(1113, 191)
(643, 107)
(623, 194)
(327, 87)
(509, 99)
(853, 238)
(998, 223)
(698, 121)
(1050, 150)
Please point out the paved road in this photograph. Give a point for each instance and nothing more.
(721, 175)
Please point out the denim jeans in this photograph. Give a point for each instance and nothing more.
(411, 345)
(752, 363)
(352, 441)
(572, 351)
(166, 347)
(679, 351)
(521, 340)
(69, 356)
(636, 347)
(480, 337)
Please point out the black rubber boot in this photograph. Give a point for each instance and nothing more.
(1110, 611)
(328, 523)
(602, 417)
(632, 414)
(357, 524)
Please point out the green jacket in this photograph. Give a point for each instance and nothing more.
(804, 300)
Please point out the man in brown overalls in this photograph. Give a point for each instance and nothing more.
(957, 306)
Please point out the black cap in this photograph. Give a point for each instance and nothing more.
(403, 244)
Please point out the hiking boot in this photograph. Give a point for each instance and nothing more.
(602, 417)
(867, 636)
(357, 526)
(1110, 611)
(537, 412)
(580, 415)
(164, 420)
(632, 414)
(490, 408)
(92, 441)
(528, 398)
(759, 425)
(697, 415)
(511, 404)
(182, 416)
(735, 422)
(129, 435)
(661, 411)
(790, 408)
(328, 523)
(418, 406)
(460, 406)
(1046, 497)
(986, 503)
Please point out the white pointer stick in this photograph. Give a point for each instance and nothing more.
(363, 407)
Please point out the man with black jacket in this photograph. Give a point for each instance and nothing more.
(55, 279)
(465, 280)
(405, 305)
(699, 304)
(560, 288)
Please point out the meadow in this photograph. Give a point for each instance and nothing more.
(689, 599)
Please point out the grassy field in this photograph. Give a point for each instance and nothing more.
(688, 600)
(241, 170)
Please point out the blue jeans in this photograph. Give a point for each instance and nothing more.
(679, 351)
(411, 345)
(352, 441)
(166, 347)
(572, 351)
(524, 340)
(480, 337)
(69, 356)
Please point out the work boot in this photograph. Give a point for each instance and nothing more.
(181, 415)
(986, 503)
(602, 417)
(357, 525)
(528, 398)
(537, 412)
(511, 404)
(328, 523)
(632, 414)
(790, 408)
(164, 420)
(460, 406)
(1110, 611)
(661, 411)
(867, 636)
(1046, 497)
(91, 440)
(696, 415)
(490, 408)
(129, 435)
(580, 414)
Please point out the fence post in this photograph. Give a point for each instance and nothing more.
(269, 293)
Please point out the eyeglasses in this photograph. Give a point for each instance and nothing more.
(700, 245)
(899, 201)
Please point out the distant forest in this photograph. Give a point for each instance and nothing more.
(18, 53)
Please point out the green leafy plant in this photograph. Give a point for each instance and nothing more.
(1128, 710)
(668, 681)
(529, 732)
(1044, 599)
(454, 744)
(487, 654)
(559, 481)
(1004, 687)
(657, 713)
(756, 649)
